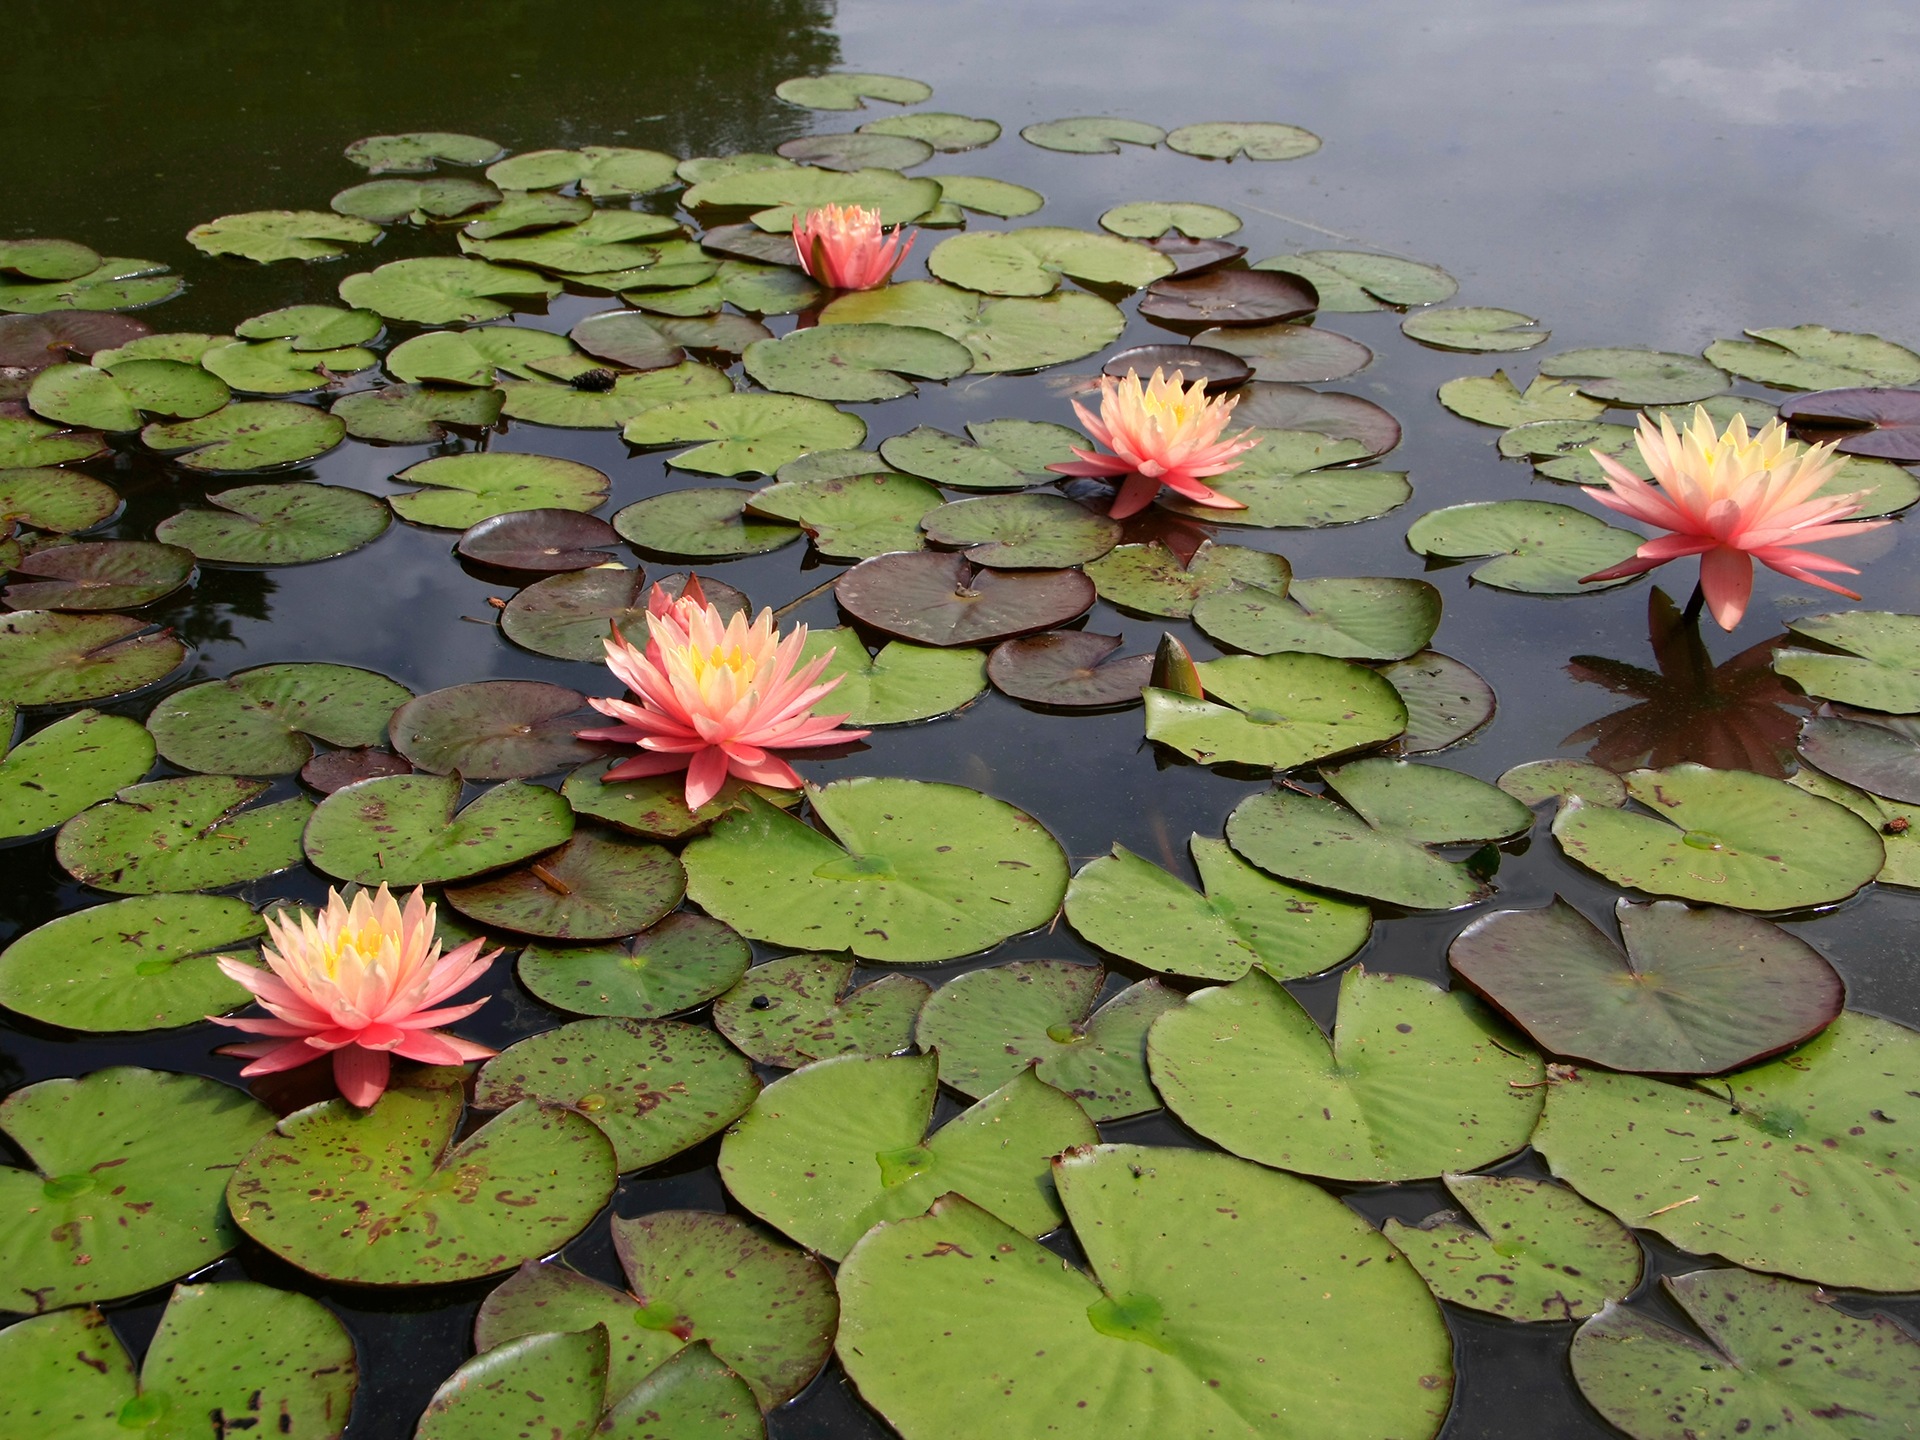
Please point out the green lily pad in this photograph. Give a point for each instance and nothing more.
(25, 441)
(1477, 329)
(1032, 261)
(779, 197)
(59, 501)
(712, 167)
(193, 833)
(386, 1197)
(291, 523)
(476, 356)
(257, 721)
(988, 1026)
(1092, 134)
(1290, 353)
(1697, 991)
(626, 337)
(1416, 1081)
(235, 1349)
(841, 1145)
(415, 414)
(495, 729)
(697, 1280)
(682, 962)
(855, 363)
(420, 201)
(1535, 781)
(99, 575)
(1136, 910)
(101, 399)
(1302, 501)
(1167, 1333)
(570, 616)
(1359, 619)
(1150, 219)
(1883, 487)
(656, 1087)
(595, 887)
(1724, 837)
(1541, 1253)
(50, 657)
(1004, 334)
(606, 243)
(1446, 701)
(1494, 400)
(1255, 139)
(900, 684)
(1877, 753)
(1812, 357)
(988, 196)
(1774, 1351)
(1276, 711)
(463, 490)
(759, 289)
(849, 89)
(248, 435)
(418, 151)
(117, 283)
(167, 1142)
(1873, 660)
(941, 130)
(48, 259)
(631, 396)
(402, 829)
(912, 886)
(1563, 449)
(312, 327)
(269, 235)
(1633, 376)
(1022, 532)
(517, 211)
(939, 599)
(1787, 1166)
(852, 517)
(857, 150)
(1380, 848)
(77, 761)
(142, 964)
(1354, 281)
(1000, 454)
(745, 434)
(602, 171)
(799, 1008)
(700, 525)
(1541, 548)
(1149, 578)
(445, 291)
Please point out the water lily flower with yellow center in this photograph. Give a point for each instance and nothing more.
(1731, 499)
(844, 248)
(359, 981)
(715, 697)
(1161, 433)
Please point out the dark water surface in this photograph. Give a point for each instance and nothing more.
(1630, 173)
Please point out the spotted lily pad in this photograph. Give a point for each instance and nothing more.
(462, 490)
(1494, 400)
(1069, 669)
(1022, 532)
(799, 1008)
(855, 363)
(940, 599)
(1724, 837)
(1535, 781)
(741, 434)
(291, 523)
(419, 151)
(248, 435)
(148, 963)
(1277, 711)
(683, 961)
(1134, 909)
(116, 283)
(998, 455)
(701, 525)
(445, 291)
(1873, 659)
(570, 616)
(269, 235)
(841, 1145)
(1812, 357)
(258, 721)
(602, 171)
(415, 414)
(900, 684)
(1633, 376)
(99, 575)
(1477, 329)
(49, 657)
(59, 501)
(1416, 1081)
(123, 1190)
(386, 1196)
(1353, 281)
(1255, 139)
(1446, 701)
(75, 762)
(1541, 1253)
(1228, 297)
(1540, 548)
(402, 829)
(1382, 847)
(1151, 579)
(1357, 619)
(850, 89)
(495, 729)
(1563, 449)
(1032, 261)
(25, 441)
(595, 887)
(193, 833)
(913, 884)
(97, 398)
(1004, 333)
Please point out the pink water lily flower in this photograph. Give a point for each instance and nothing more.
(1732, 499)
(1160, 433)
(358, 981)
(844, 248)
(715, 697)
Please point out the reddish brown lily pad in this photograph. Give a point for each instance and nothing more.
(336, 769)
(1219, 369)
(100, 575)
(496, 730)
(548, 541)
(941, 599)
(33, 342)
(1866, 421)
(1191, 257)
(1230, 297)
(1273, 406)
(1070, 669)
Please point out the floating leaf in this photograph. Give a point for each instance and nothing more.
(853, 516)
(1540, 780)
(1381, 848)
(99, 575)
(603, 171)
(700, 525)
(1149, 219)
(1787, 1166)
(443, 291)
(344, 1194)
(337, 769)
(257, 721)
(75, 762)
(1221, 369)
(929, 872)
(751, 244)
(1092, 135)
(1877, 753)
(900, 684)
(291, 523)
(1416, 1081)
(626, 337)
(269, 235)
(1016, 333)
(571, 616)
(631, 396)
(100, 399)
(1359, 619)
(56, 500)
(848, 89)
(1136, 910)
(1277, 711)
(1255, 139)
(1541, 1252)
(1877, 666)
(607, 243)
(419, 151)
(804, 1157)
(1031, 261)
(312, 327)
(495, 729)
(855, 363)
(682, 962)
(1477, 329)
(25, 441)
(989, 196)
(462, 490)
(939, 599)
(1190, 257)
(941, 130)
(1724, 837)
(123, 1190)
(595, 887)
(1150, 578)
(745, 433)
(1563, 449)
(1446, 701)
(517, 211)
(1292, 408)
(421, 201)
(1884, 423)
(1338, 497)
(48, 259)
(1069, 669)
(477, 356)
(1228, 297)
(401, 830)
(248, 435)
(540, 541)
(1493, 400)
(48, 657)
(1022, 532)
(1633, 376)
(415, 414)
(1541, 548)
(116, 283)
(192, 833)
(1354, 281)
(1001, 454)
(1812, 357)
(1290, 353)
(799, 1008)
(858, 150)
(779, 197)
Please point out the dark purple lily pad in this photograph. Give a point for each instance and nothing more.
(1219, 369)
(629, 338)
(1070, 669)
(1273, 406)
(1878, 753)
(33, 342)
(1866, 421)
(749, 242)
(597, 886)
(547, 541)
(496, 730)
(940, 599)
(1192, 257)
(568, 616)
(1697, 991)
(1230, 297)
(100, 575)
(336, 769)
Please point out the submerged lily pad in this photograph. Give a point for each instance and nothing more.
(1724, 837)
(291, 523)
(1228, 297)
(268, 235)
(1151, 579)
(1004, 333)
(940, 599)
(682, 962)
(402, 830)
(1374, 618)
(257, 722)
(462, 490)
(124, 1185)
(386, 1196)
(193, 833)
(1022, 532)
(99, 575)
(1355, 281)
(850, 89)
(418, 151)
(595, 887)
(855, 363)
(800, 1008)
(248, 435)
(1874, 660)
(1416, 1080)
(1541, 1252)
(900, 684)
(75, 762)
(50, 657)
(912, 885)
(1633, 376)
(1032, 261)
(495, 729)
(445, 290)
(835, 1148)
(1541, 548)
(998, 455)
(1477, 329)
(415, 414)
(742, 434)
(1069, 669)
(1276, 711)
(1812, 357)
(1494, 400)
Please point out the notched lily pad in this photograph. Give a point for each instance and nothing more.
(99, 575)
(248, 435)
(1255, 139)
(700, 525)
(682, 962)
(1151, 579)
(1632, 376)
(541, 541)
(402, 830)
(268, 235)
(997, 455)
(1812, 357)
(1355, 281)
(1005, 333)
(1494, 400)
(1446, 701)
(50, 657)
(1872, 659)
(192, 833)
(1873, 421)
(1229, 297)
(462, 490)
(257, 722)
(855, 363)
(900, 684)
(850, 89)
(1476, 329)
(1069, 669)
(75, 762)
(495, 729)
(1372, 618)
(290, 523)
(801, 1008)
(419, 151)
(745, 434)
(1022, 532)
(940, 599)
(597, 886)
(415, 414)
(1541, 548)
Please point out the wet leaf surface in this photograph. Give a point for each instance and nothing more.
(48, 657)
(1221, 369)
(541, 541)
(800, 1008)
(679, 963)
(1228, 297)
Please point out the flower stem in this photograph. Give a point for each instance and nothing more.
(1695, 603)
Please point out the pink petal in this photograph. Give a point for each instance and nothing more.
(1726, 576)
(361, 1074)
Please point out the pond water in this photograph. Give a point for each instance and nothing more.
(1630, 173)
